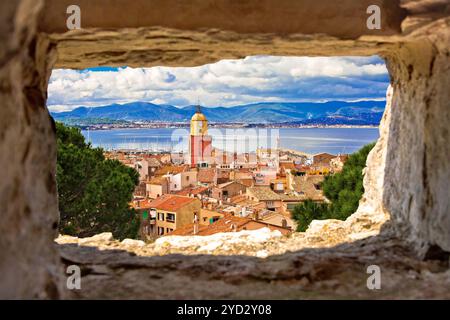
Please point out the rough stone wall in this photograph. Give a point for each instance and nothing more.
(417, 168)
(410, 160)
(371, 206)
(28, 208)
(347, 20)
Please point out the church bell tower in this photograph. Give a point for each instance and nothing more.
(200, 143)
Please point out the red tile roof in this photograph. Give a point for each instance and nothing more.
(206, 175)
(194, 191)
(287, 165)
(170, 169)
(158, 181)
(171, 202)
(229, 223)
(141, 204)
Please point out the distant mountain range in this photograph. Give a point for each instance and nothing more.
(332, 112)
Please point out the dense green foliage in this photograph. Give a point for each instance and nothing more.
(93, 192)
(308, 211)
(343, 189)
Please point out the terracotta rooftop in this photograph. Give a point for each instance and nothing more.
(223, 174)
(157, 180)
(194, 191)
(322, 158)
(287, 165)
(264, 193)
(307, 186)
(170, 169)
(240, 175)
(206, 175)
(229, 223)
(237, 199)
(342, 157)
(171, 202)
(153, 162)
(141, 204)
(226, 184)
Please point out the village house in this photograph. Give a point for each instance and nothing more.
(223, 159)
(157, 187)
(337, 163)
(170, 169)
(223, 175)
(207, 176)
(142, 207)
(170, 212)
(241, 206)
(271, 200)
(286, 165)
(278, 185)
(264, 175)
(308, 186)
(179, 158)
(164, 158)
(198, 192)
(277, 219)
(208, 217)
(243, 176)
(153, 165)
(140, 190)
(322, 159)
(267, 154)
(224, 191)
(275, 201)
(179, 177)
(246, 160)
(141, 166)
(187, 179)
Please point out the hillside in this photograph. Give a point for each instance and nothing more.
(336, 112)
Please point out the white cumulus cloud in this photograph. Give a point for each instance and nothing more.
(225, 83)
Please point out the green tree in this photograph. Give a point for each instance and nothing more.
(308, 211)
(343, 189)
(93, 192)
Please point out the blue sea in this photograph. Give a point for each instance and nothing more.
(308, 140)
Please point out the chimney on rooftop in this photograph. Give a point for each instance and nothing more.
(195, 223)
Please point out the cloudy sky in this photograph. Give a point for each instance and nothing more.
(225, 83)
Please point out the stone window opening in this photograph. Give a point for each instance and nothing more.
(411, 190)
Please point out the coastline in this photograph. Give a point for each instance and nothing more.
(107, 127)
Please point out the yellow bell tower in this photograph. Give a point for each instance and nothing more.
(200, 142)
(199, 124)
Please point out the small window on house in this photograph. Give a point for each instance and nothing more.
(170, 217)
(160, 231)
(161, 216)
